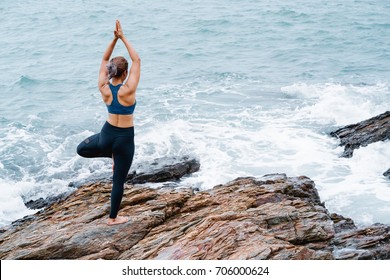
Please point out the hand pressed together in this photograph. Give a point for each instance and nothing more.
(118, 32)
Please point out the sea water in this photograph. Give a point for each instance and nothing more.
(247, 87)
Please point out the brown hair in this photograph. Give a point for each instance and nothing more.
(117, 66)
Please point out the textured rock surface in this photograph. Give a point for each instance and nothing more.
(273, 217)
(363, 133)
(367, 243)
(163, 170)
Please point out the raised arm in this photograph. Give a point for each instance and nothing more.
(135, 69)
(103, 73)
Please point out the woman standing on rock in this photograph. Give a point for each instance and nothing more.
(116, 139)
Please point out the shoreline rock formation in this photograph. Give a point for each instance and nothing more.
(363, 133)
(272, 217)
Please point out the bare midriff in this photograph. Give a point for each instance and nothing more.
(122, 121)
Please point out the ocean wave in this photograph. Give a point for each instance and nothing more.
(339, 104)
(26, 81)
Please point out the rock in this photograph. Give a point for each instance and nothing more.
(272, 217)
(363, 244)
(387, 174)
(363, 133)
(44, 202)
(160, 170)
(163, 170)
(341, 223)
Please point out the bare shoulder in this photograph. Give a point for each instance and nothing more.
(126, 90)
(105, 91)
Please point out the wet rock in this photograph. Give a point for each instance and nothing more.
(363, 133)
(368, 243)
(273, 217)
(163, 170)
(44, 202)
(341, 223)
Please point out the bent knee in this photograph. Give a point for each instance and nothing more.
(83, 149)
(80, 149)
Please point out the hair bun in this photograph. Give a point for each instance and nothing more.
(112, 69)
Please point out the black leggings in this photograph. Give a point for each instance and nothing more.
(111, 142)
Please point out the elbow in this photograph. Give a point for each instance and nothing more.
(137, 60)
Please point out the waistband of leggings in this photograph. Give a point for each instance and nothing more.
(107, 127)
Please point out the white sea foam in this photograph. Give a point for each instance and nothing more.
(38, 166)
(11, 203)
(339, 104)
(361, 190)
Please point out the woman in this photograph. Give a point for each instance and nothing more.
(116, 139)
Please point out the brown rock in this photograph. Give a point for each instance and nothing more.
(367, 243)
(273, 217)
(341, 223)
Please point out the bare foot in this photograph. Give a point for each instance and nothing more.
(118, 220)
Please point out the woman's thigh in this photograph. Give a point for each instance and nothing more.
(95, 146)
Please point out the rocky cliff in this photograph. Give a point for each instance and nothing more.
(273, 217)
